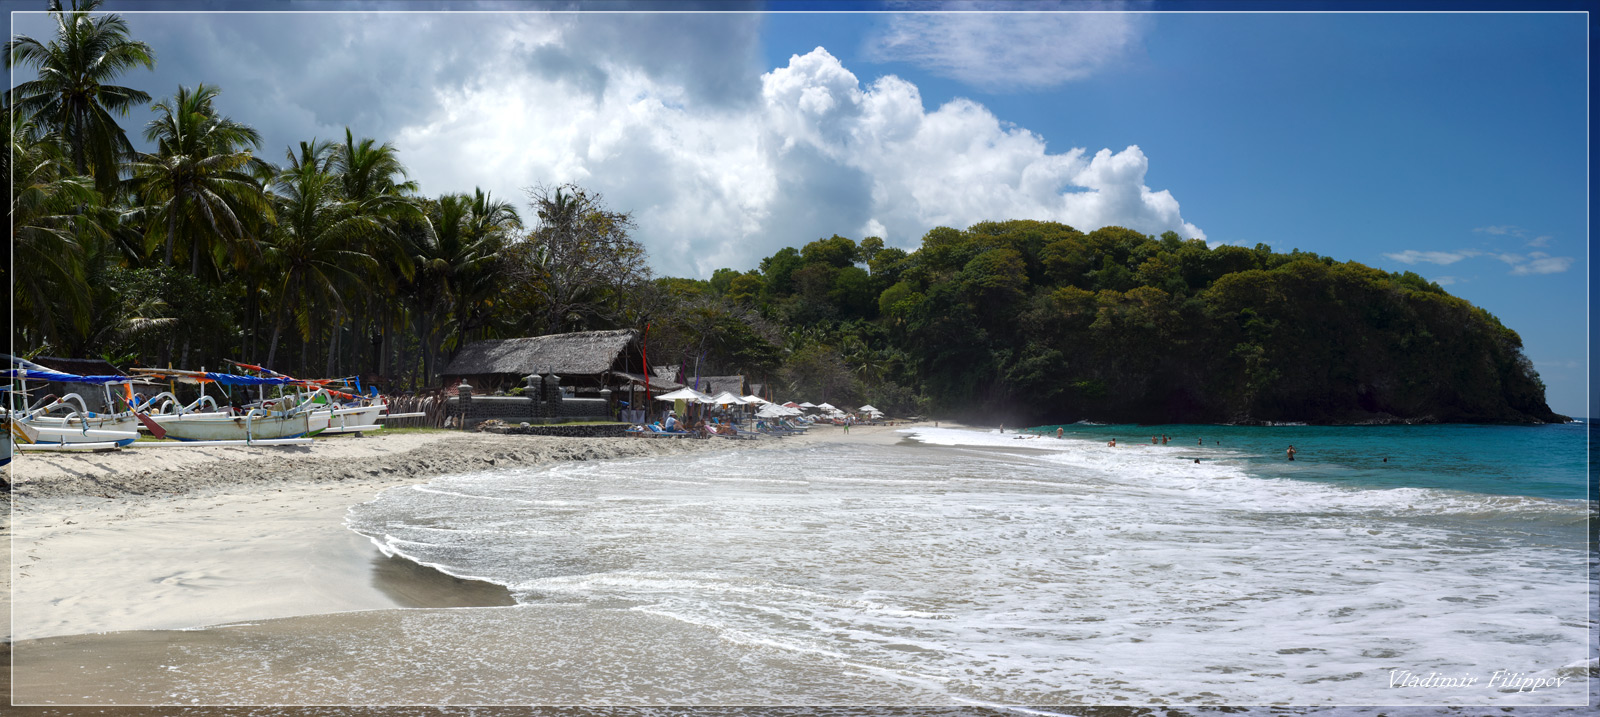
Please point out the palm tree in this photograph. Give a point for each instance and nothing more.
(48, 218)
(316, 246)
(72, 96)
(458, 267)
(199, 179)
(372, 176)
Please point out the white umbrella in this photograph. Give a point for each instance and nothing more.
(869, 409)
(756, 400)
(772, 411)
(683, 394)
(826, 407)
(808, 404)
(726, 398)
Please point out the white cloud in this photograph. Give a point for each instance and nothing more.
(1006, 51)
(813, 153)
(1541, 263)
(1532, 263)
(1445, 280)
(1500, 230)
(1542, 240)
(1442, 258)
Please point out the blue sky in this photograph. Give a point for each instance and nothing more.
(1453, 145)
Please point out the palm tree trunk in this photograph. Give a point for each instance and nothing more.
(277, 330)
(333, 347)
(172, 229)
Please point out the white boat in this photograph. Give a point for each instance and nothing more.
(119, 430)
(254, 425)
(349, 420)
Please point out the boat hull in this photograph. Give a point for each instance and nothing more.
(349, 420)
(197, 427)
(58, 431)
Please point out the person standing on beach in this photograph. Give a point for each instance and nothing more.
(847, 427)
(1291, 452)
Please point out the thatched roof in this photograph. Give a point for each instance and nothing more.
(656, 383)
(78, 366)
(667, 372)
(714, 385)
(576, 354)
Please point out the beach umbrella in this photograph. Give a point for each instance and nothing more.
(808, 404)
(726, 398)
(791, 404)
(755, 400)
(869, 409)
(772, 411)
(682, 394)
(826, 407)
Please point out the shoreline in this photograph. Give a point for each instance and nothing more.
(187, 538)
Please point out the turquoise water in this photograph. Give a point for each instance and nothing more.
(1548, 461)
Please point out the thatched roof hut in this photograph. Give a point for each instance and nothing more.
(714, 385)
(79, 366)
(583, 359)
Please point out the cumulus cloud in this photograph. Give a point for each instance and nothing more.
(1445, 280)
(723, 160)
(812, 154)
(1006, 51)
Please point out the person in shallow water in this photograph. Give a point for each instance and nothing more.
(1291, 452)
(1113, 443)
(1060, 430)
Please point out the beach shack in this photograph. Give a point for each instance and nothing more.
(562, 377)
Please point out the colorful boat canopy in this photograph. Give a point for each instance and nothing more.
(44, 374)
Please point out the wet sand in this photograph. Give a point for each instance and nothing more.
(121, 555)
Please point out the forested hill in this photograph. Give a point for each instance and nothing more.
(1030, 321)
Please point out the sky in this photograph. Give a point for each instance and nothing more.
(1454, 145)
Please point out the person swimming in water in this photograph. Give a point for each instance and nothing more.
(1113, 443)
(1291, 452)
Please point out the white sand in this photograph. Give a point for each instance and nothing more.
(187, 537)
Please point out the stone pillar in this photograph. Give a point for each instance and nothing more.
(552, 390)
(464, 404)
(532, 386)
(610, 410)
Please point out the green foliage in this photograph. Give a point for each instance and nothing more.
(835, 251)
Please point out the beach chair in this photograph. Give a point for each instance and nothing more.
(659, 432)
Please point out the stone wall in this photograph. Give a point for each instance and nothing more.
(603, 430)
(542, 402)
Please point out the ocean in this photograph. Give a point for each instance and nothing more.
(964, 567)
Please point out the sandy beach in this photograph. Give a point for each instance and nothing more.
(184, 537)
(175, 539)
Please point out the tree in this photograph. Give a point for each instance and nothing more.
(47, 220)
(72, 95)
(316, 246)
(581, 250)
(198, 181)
